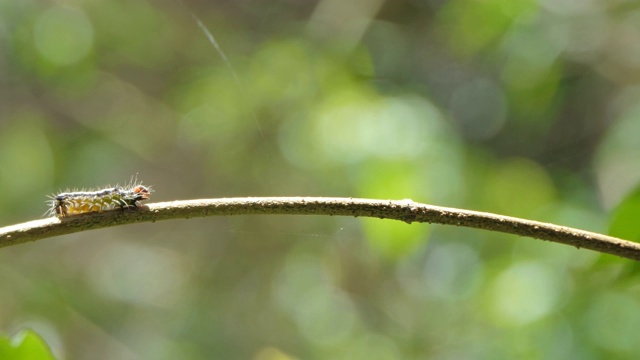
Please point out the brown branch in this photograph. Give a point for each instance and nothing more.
(404, 210)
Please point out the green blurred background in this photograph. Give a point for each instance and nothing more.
(521, 107)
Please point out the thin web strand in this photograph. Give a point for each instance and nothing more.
(218, 49)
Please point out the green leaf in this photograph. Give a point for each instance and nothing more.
(624, 223)
(25, 345)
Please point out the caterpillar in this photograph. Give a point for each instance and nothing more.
(83, 202)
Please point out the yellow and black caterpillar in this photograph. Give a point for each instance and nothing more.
(82, 202)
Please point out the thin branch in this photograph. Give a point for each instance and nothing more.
(403, 210)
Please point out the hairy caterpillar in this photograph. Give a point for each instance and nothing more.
(82, 202)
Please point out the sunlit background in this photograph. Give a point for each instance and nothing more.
(520, 107)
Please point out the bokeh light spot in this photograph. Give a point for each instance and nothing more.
(480, 108)
(139, 274)
(453, 271)
(524, 293)
(63, 35)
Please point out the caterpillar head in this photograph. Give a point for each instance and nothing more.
(141, 193)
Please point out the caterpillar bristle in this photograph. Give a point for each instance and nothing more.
(83, 201)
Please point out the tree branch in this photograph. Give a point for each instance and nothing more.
(403, 210)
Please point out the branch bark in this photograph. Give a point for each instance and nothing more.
(403, 210)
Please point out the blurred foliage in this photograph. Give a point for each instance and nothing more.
(526, 108)
(624, 223)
